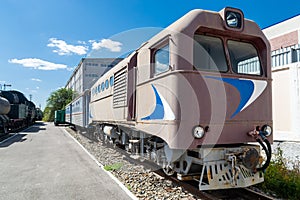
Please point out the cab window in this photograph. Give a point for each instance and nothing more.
(209, 54)
(161, 60)
(244, 58)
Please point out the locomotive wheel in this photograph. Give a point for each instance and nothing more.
(168, 170)
(101, 137)
(5, 129)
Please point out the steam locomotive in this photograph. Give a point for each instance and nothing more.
(16, 111)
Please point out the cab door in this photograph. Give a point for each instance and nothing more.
(131, 89)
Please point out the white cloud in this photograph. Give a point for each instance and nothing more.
(37, 87)
(70, 69)
(113, 46)
(36, 79)
(81, 42)
(67, 49)
(36, 63)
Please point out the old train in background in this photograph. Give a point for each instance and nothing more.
(16, 111)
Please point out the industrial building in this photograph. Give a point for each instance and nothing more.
(88, 72)
(284, 38)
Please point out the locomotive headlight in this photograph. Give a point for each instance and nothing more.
(233, 19)
(198, 132)
(267, 130)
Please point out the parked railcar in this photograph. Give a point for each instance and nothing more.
(4, 120)
(21, 112)
(77, 112)
(192, 100)
(31, 112)
(39, 114)
(59, 117)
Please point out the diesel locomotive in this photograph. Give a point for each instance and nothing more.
(195, 99)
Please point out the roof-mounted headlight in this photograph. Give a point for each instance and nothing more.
(233, 18)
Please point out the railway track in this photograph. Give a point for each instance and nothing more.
(191, 186)
(232, 194)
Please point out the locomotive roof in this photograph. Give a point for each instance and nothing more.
(187, 25)
(14, 97)
(193, 20)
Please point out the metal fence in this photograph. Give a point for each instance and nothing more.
(279, 57)
(286, 56)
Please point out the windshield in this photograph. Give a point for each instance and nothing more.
(244, 58)
(209, 54)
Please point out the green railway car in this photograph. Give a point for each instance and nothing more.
(59, 117)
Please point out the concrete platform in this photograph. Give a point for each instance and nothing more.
(44, 162)
(286, 136)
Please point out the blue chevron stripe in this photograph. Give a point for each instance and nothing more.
(245, 88)
(158, 112)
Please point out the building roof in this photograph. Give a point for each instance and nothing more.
(283, 27)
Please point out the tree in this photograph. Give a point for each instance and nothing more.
(57, 101)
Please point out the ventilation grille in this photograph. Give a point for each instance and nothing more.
(120, 88)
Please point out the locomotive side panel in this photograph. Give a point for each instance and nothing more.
(113, 95)
(101, 111)
(143, 63)
(109, 95)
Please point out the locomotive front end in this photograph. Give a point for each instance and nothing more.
(233, 87)
(217, 87)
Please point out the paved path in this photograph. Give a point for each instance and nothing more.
(43, 162)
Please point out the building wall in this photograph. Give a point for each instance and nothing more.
(286, 98)
(281, 100)
(88, 71)
(286, 29)
(285, 40)
(295, 97)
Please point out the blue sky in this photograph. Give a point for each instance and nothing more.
(42, 41)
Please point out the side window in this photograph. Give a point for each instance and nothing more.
(161, 59)
(244, 58)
